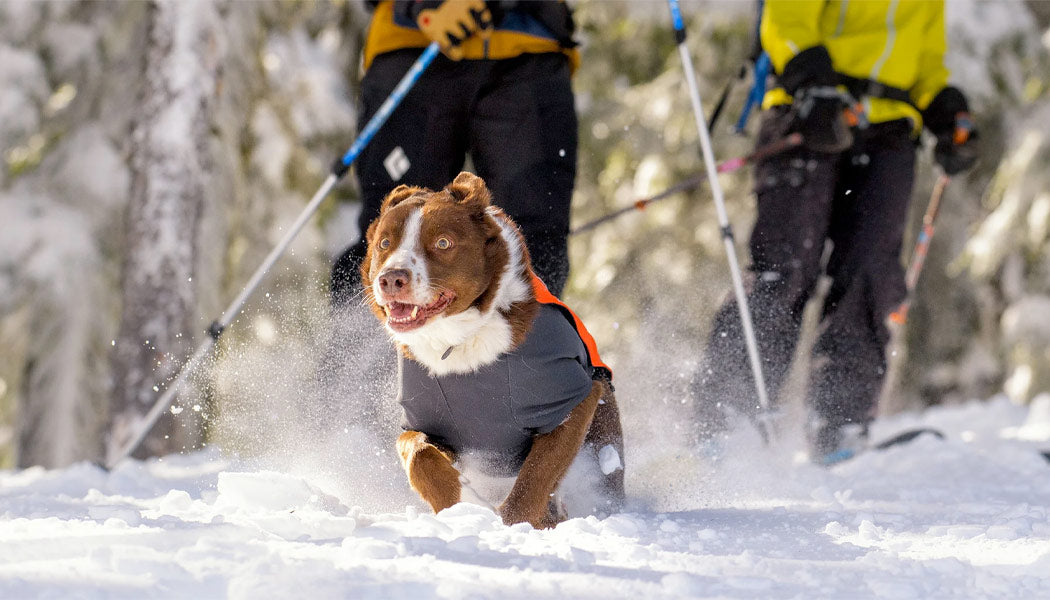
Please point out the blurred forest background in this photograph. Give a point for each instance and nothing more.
(154, 152)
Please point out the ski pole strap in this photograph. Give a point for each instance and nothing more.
(342, 164)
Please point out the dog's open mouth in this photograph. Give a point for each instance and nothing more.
(401, 316)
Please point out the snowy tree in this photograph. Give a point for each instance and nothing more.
(62, 187)
(171, 163)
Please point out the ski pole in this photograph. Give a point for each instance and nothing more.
(721, 104)
(758, 89)
(727, 166)
(723, 217)
(215, 330)
(682, 186)
(922, 246)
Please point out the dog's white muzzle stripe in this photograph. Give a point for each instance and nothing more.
(409, 256)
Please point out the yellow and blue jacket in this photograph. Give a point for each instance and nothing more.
(539, 27)
(898, 43)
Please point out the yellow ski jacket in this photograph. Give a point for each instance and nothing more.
(513, 37)
(899, 43)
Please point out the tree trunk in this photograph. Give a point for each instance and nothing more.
(1040, 9)
(171, 162)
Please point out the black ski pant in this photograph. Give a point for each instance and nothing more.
(515, 118)
(857, 201)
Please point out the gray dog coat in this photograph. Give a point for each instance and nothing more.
(492, 414)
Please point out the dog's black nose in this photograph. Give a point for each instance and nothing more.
(394, 280)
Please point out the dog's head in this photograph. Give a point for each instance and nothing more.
(435, 256)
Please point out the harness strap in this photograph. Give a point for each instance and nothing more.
(859, 87)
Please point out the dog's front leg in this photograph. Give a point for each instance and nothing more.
(430, 471)
(546, 464)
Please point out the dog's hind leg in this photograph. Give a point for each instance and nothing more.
(546, 464)
(430, 471)
(605, 439)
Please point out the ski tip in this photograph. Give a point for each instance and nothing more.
(904, 437)
(907, 436)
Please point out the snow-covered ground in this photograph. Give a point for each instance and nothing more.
(966, 517)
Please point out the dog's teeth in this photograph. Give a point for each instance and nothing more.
(415, 311)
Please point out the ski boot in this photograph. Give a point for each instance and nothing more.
(833, 443)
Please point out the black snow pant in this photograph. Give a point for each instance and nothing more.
(516, 119)
(857, 200)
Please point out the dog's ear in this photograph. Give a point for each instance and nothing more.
(470, 190)
(397, 196)
(371, 230)
(365, 267)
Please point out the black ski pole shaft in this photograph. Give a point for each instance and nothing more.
(727, 166)
(723, 217)
(339, 168)
(922, 246)
(721, 104)
(682, 186)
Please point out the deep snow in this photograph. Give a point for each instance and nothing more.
(964, 517)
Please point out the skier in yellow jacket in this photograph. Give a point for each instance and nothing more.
(859, 80)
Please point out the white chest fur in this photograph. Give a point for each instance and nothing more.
(476, 338)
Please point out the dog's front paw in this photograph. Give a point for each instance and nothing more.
(434, 478)
(514, 512)
(430, 471)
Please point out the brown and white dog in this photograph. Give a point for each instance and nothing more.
(497, 376)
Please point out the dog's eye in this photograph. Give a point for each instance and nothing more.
(443, 243)
(384, 243)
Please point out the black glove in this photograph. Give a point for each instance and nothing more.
(450, 22)
(948, 119)
(819, 106)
